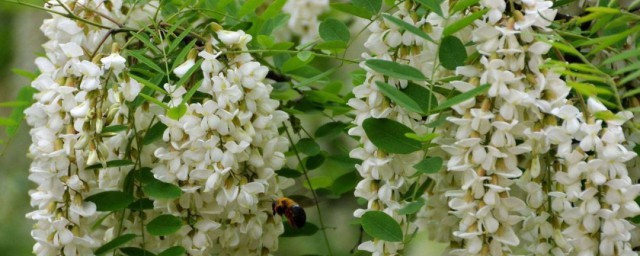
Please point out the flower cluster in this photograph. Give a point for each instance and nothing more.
(524, 142)
(303, 22)
(73, 105)
(223, 153)
(387, 176)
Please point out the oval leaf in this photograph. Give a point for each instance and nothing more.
(162, 190)
(432, 5)
(331, 129)
(307, 230)
(396, 70)
(389, 136)
(429, 165)
(373, 6)
(462, 97)
(134, 251)
(308, 146)
(164, 225)
(110, 200)
(334, 30)
(399, 97)
(452, 52)
(461, 23)
(381, 226)
(408, 27)
(173, 251)
(412, 207)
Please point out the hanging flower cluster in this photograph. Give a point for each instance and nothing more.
(73, 106)
(304, 18)
(387, 177)
(524, 143)
(223, 153)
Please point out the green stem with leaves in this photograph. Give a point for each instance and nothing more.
(313, 192)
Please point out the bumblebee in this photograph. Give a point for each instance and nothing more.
(291, 210)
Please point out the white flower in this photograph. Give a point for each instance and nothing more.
(184, 67)
(114, 61)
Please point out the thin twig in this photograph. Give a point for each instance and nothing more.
(313, 192)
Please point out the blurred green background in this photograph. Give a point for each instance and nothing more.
(20, 40)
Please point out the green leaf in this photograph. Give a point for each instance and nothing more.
(315, 78)
(408, 27)
(176, 113)
(421, 95)
(176, 42)
(462, 97)
(372, 6)
(605, 41)
(381, 226)
(452, 52)
(566, 48)
(146, 61)
(154, 133)
(115, 243)
(330, 130)
(628, 68)
(110, 200)
(173, 251)
(249, 6)
(266, 41)
(114, 128)
(331, 45)
(141, 205)
(295, 63)
(429, 165)
(463, 4)
(288, 173)
(389, 136)
(324, 97)
(145, 40)
(399, 97)
(148, 83)
(352, 9)
(307, 230)
(109, 164)
(588, 89)
(25, 73)
(412, 207)
(629, 78)
(422, 138)
(13, 104)
(314, 162)
(7, 122)
(433, 5)
(394, 69)
(183, 54)
(332, 29)
(274, 8)
(626, 55)
(319, 182)
(345, 183)
(308, 147)
(462, 23)
(134, 251)
(162, 190)
(164, 225)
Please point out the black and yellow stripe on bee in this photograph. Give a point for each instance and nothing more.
(291, 210)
